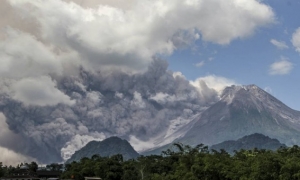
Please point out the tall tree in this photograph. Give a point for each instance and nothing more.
(33, 166)
(1, 170)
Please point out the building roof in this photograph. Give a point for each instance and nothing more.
(20, 177)
(93, 178)
(21, 171)
(48, 173)
(24, 167)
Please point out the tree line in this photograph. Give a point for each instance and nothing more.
(197, 163)
(191, 163)
(33, 167)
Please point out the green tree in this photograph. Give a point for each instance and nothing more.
(33, 166)
(130, 172)
(1, 170)
(110, 168)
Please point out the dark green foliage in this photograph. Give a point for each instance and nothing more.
(1, 170)
(193, 163)
(33, 166)
(190, 163)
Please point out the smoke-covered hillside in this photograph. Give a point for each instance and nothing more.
(140, 106)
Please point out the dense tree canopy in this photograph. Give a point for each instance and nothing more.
(185, 162)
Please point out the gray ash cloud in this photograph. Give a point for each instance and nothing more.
(113, 103)
(72, 74)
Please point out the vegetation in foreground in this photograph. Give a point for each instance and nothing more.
(191, 164)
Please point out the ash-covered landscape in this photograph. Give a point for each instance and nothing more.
(178, 85)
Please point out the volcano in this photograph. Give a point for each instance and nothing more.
(241, 111)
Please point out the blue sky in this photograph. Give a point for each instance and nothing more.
(240, 40)
(248, 60)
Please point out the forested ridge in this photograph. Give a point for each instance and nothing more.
(185, 162)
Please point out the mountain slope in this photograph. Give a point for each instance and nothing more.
(252, 141)
(108, 147)
(245, 110)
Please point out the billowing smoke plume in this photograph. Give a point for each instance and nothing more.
(74, 71)
(140, 105)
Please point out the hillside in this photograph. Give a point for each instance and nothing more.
(108, 147)
(249, 142)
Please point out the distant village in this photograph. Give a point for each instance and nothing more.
(32, 171)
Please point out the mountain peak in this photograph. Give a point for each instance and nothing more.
(236, 88)
(245, 110)
(251, 86)
(249, 94)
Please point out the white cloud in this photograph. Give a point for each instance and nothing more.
(39, 91)
(114, 3)
(269, 90)
(296, 40)
(79, 141)
(281, 67)
(8, 139)
(6, 135)
(217, 83)
(164, 98)
(279, 44)
(200, 64)
(138, 100)
(139, 145)
(12, 19)
(116, 34)
(119, 95)
(22, 55)
(9, 157)
(178, 74)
